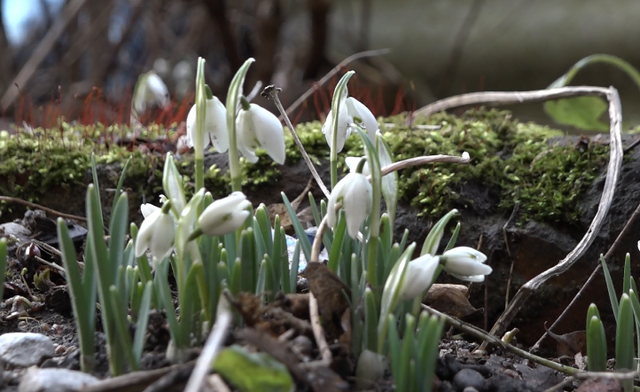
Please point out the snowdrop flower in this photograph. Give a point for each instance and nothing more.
(224, 216)
(466, 263)
(258, 127)
(352, 164)
(156, 233)
(356, 195)
(350, 110)
(147, 209)
(419, 275)
(215, 125)
(150, 90)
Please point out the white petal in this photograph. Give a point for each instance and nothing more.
(344, 120)
(359, 110)
(474, 278)
(146, 232)
(352, 164)
(148, 209)
(224, 215)
(163, 236)
(246, 136)
(466, 252)
(466, 267)
(230, 223)
(337, 195)
(157, 91)
(215, 126)
(191, 126)
(419, 276)
(269, 132)
(357, 201)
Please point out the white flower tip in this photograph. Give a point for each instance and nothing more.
(465, 155)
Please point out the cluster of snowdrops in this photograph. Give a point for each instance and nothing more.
(225, 244)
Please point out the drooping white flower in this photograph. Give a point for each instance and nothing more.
(147, 209)
(350, 110)
(356, 195)
(361, 114)
(352, 164)
(215, 125)
(157, 233)
(150, 90)
(225, 215)
(419, 276)
(466, 263)
(257, 127)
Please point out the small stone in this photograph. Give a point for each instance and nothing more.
(25, 349)
(60, 349)
(468, 378)
(469, 389)
(55, 380)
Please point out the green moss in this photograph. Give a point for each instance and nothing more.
(513, 162)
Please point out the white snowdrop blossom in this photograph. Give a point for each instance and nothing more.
(215, 126)
(225, 215)
(156, 233)
(257, 127)
(350, 110)
(352, 164)
(147, 209)
(419, 276)
(150, 90)
(466, 263)
(356, 195)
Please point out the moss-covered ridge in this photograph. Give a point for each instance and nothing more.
(513, 162)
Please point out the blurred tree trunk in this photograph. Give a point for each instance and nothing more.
(99, 16)
(319, 10)
(218, 14)
(269, 21)
(6, 60)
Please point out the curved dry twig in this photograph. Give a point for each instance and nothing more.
(613, 170)
(501, 98)
(43, 208)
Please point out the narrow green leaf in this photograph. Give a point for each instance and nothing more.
(143, 321)
(624, 335)
(293, 271)
(432, 242)
(611, 289)
(120, 183)
(391, 291)
(371, 320)
(335, 256)
(3, 261)
(297, 226)
(404, 381)
(454, 238)
(122, 327)
(596, 345)
(626, 280)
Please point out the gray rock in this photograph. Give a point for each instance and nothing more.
(468, 378)
(25, 349)
(55, 380)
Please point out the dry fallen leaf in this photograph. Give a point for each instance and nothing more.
(450, 299)
(331, 293)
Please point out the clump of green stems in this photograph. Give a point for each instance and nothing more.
(627, 315)
(253, 259)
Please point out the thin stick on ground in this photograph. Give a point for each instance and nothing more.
(318, 332)
(491, 339)
(209, 352)
(43, 208)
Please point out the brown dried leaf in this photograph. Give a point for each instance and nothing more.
(331, 293)
(450, 299)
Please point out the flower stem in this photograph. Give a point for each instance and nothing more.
(201, 107)
(374, 217)
(233, 96)
(339, 94)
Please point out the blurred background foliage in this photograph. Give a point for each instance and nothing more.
(81, 58)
